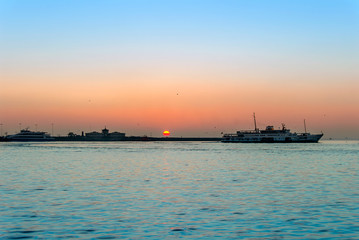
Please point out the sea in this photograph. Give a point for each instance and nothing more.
(179, 190)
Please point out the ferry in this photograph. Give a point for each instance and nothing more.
(270, 135)
(26, 135)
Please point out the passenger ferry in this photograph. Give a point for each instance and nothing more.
(270, 135)
(27, 135)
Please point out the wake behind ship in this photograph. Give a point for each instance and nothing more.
(269, 135)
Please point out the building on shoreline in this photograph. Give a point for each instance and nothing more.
(105, 134)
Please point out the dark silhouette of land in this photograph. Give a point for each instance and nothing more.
(104, 135)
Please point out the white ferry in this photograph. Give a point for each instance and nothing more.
(27, 135)
(270, 135)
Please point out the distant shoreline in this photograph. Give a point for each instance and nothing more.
(137, 138)
(123, 139)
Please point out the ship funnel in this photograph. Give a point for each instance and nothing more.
(255, 122)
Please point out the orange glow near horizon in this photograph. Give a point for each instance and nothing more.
(166, 133)
(198, 102)
(193, 108)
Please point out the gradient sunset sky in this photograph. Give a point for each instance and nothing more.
(196, 68)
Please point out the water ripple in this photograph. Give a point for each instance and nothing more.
(172, 190)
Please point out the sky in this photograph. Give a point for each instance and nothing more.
(195, 68)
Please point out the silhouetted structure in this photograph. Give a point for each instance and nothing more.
(27, 135)
(270, 135)
(105, 135)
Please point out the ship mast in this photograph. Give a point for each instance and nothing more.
(305, 127)
(255, 122)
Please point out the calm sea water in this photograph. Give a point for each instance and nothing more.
(167, 190)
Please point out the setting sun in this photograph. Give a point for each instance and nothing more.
(166, 133)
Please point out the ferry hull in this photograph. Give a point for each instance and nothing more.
(27, 140)
(312, 138)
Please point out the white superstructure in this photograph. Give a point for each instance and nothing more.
(27, 135)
